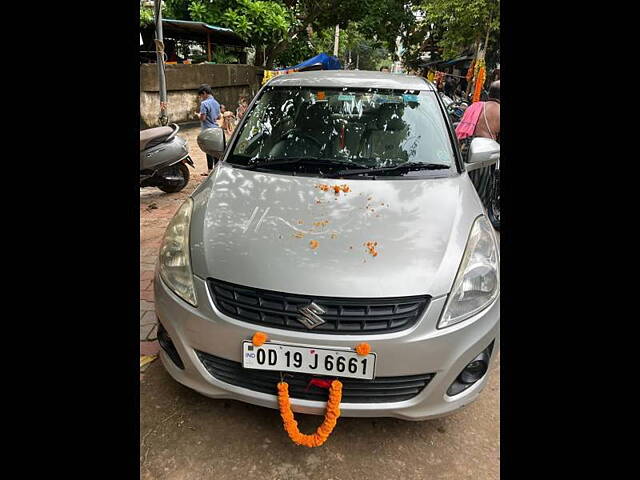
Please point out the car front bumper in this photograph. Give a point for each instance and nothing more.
(418, 350)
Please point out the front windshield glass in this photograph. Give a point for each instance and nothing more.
(364, 127)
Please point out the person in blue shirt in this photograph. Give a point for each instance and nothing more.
(208, 115)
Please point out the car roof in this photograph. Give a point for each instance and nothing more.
(351, 79)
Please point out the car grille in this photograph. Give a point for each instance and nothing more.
(343, 315)
(378, 390)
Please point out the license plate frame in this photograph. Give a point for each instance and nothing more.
(310, 356)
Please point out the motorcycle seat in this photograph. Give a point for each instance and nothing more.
(153, 136)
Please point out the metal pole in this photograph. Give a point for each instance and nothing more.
(162, 82)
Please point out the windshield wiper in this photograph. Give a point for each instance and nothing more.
(395, 168)
(268, 163)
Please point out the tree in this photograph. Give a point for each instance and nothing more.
(288, 31)
(279, 28)
(386, 20)
(260, 23)
(146, 15)
(464, 23)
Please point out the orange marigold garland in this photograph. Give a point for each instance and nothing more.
(363, 349)
(470, 72)
(330, 417)
(480, 73)
(259, 338)
(479, 84)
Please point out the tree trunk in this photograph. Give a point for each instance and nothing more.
(274, 51)
(259, 58)
(486, 38)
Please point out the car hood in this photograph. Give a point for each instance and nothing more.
(284, 233)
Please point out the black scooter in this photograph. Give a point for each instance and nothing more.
(163, 159)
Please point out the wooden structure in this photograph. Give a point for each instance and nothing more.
(201, 33)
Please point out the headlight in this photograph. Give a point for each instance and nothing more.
(477, 283)
(175, 262)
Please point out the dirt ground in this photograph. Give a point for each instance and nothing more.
(186, 436)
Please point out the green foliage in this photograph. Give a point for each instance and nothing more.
(448, 28)
(367, 53)
(276, 27)
(146, 16)
(385, 20)
(462, 22)
(259, 22)
(368, 28)
(221, 56)
(176, 9)
(295, 52)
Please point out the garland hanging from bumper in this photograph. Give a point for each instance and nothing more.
(332, 412)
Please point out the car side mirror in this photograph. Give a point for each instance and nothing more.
(482, 153)
(212, 141)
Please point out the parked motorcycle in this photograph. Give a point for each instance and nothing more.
(487, 183)
(163, 159)
(212, 142)
(493, 205)
(456, 109)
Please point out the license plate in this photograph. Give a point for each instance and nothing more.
(318, 361)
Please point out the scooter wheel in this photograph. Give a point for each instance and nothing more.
(179, 170)
(493, 209)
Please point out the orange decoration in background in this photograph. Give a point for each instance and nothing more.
(470, 71)
(479, 83)
(363, 349)
(259, 338)
(314, 244)
(324, 430)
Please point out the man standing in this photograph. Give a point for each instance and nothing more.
(488, 125)
(449, 86)
(481, 119)
(208, 115)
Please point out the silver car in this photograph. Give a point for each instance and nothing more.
(341, 214)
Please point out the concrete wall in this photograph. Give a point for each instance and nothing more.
(228, 82)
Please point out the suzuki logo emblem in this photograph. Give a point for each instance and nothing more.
(310, 315)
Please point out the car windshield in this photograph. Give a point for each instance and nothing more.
(349, 128)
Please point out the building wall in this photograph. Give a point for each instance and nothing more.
(228, 82)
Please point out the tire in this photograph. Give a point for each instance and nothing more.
(493, 204)
(179, 169)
